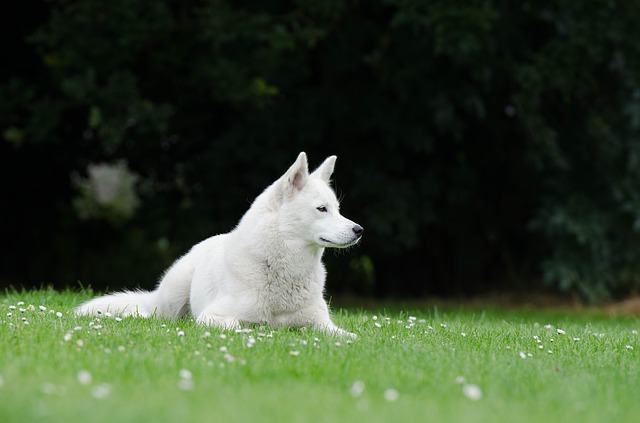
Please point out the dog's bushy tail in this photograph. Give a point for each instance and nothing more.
(127, 303)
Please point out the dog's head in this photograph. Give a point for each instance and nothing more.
(309, 208)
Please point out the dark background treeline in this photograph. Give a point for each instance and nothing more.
(484, 145)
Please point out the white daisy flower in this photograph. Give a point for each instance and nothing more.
(101, 391)
(84, 377)
(391, 395)
(473, 392)
(357, 388)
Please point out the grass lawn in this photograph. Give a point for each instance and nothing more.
(452, 364)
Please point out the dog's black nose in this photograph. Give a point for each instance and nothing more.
(357, 229)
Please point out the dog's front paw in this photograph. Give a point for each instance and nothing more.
(346, 334)
(219, 321)
(335, 330)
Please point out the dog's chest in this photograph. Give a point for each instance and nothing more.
(287, 286)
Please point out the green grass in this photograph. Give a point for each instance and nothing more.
(68, 368)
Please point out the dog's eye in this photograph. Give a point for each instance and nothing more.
(322, 209)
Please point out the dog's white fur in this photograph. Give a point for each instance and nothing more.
(268, 270)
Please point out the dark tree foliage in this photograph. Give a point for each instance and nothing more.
(484, 145)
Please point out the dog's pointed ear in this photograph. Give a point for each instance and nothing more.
(296, 177)
(325, 170)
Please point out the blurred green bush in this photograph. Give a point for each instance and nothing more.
(484, 145)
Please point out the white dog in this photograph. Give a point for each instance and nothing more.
(268, 270)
